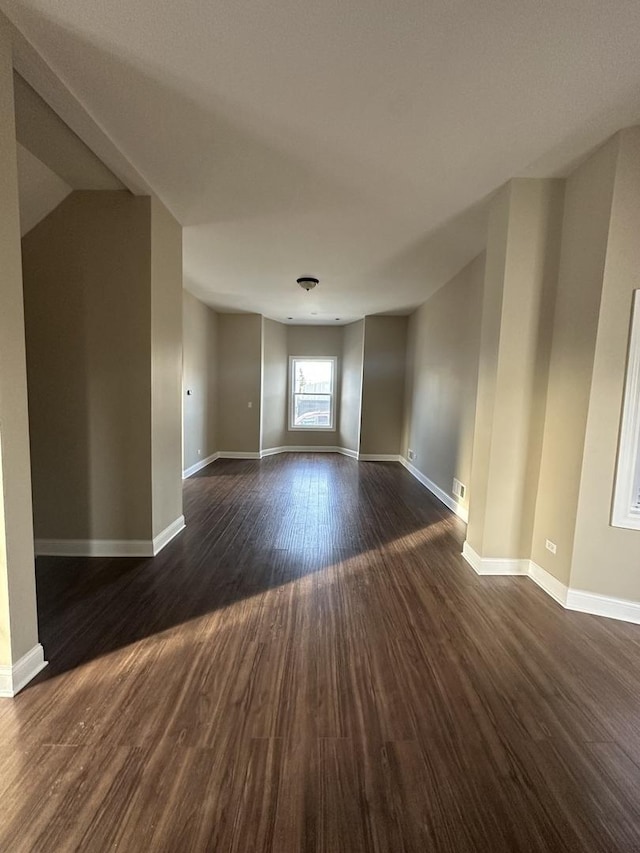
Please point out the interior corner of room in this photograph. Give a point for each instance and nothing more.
(500, 393)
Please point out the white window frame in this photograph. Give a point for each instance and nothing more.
(626, 496)
(332, 410)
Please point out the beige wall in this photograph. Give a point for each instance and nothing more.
(18, 618)
(87, 269)
(351, 392)
(558, 298)
(317, 341)
(239, 382)
(606, 559)
(166, 366)
(200, 376)
(383, 378)
(442, 372)
(588, 197)
(518, 293)
(274, 384)
(253, 359)
(490, 319)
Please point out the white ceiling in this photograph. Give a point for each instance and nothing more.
(354, 141)
(50, 140)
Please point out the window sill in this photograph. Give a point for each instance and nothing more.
(311, 429)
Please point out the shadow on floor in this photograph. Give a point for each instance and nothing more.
(252, 526)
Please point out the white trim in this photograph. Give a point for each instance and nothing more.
(449, 501)
(14, 677)
(291, 427)
(346, 451)
(625, 510)
(109, 547)
(94, 547)
(272, 451)
(472, 557)
(546, 581)
(311, 448)
(578, 600)
(495, 565)
(198, 466)
(170, 532)
(379, 457)
(603, 605)
(312, 428)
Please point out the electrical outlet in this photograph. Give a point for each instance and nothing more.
(199, 453)
(459, 489)
(411, 454)
(249, 405)
(550, 546)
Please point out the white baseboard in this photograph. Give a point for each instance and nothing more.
(94, 547)
(314, 448)
(546, 581)
(449, 501)
(495, 565)
(109, 547)
(379, 457)
(569, 598)
(346, 451)
(198, 466)
(273, 451)
(13, 678)
(301, 448)
(603, 605)
(170, 532)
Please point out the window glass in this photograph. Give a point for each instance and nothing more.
(312, 394)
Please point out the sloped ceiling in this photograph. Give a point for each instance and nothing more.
(354, 141)
(40, 190)
(52, 142)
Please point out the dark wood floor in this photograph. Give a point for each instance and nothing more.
(311, 666)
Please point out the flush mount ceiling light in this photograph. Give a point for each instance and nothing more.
(307, 282)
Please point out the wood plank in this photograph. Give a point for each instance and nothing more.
(311, 666)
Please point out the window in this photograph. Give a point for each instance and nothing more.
(311, 393)
(626, 499)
